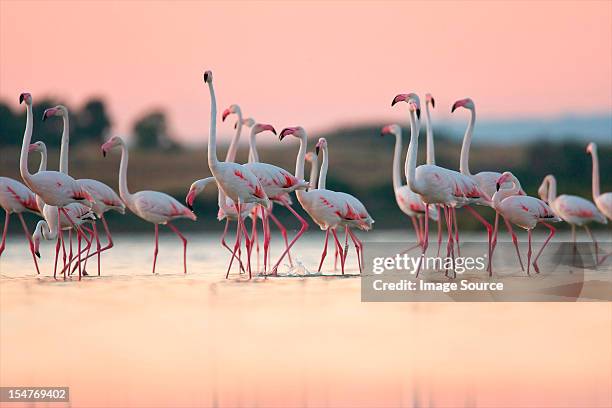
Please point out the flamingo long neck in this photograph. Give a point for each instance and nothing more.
(42, 228)
(233, 148)
(595, 176)
(552, 189)
(43, 159)
(431, 154)
(411, 157)
(397, 155)
(324, 167)
(123, 188)
(213, 161)
(299, 164)
(27, 137)
(464, 166)
(253, 155)
(314, 172)
(63, 165)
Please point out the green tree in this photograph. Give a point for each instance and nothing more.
(92, 121)
(151, 131)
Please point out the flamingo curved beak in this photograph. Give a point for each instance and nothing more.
(418, 113)
(264, 127)
(49, 112)
(497, 186)
(399, 98)
(225, 114)
(190, 199)
(32, 148)
(207, 76)
(285, 132)
(433, 102)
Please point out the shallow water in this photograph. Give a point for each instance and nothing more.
(130, 338)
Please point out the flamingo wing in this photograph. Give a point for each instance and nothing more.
(159, 206)
(16, 197)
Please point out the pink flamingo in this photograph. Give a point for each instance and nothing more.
(15, 198)
(277, 183)
(523, 211)
(237, 182)
(574, 210)
(602, 201)
(434, 184)
(407, 200)
(323, 206)
(152, 206)
(357, 215)
(54, 188)
(486, 181)
(105, 199)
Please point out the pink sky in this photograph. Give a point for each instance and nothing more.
(318, 65)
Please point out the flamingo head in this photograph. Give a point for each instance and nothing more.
(321, 144)
(413, 101)
(466, 103)
(232, 109)
(591, 148)
(430, 100)
(59, 110)
(391, 130)
(36, 241)
(506, 176)
(262, 127)
(208, 77)
(543, 189)
(113, 142)
(25, 97)
(196, 188)
(296, 131)
(37, 147)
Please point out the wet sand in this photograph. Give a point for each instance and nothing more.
(130, 338)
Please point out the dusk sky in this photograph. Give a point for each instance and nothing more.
(318, 65)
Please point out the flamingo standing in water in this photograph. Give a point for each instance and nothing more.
(277, 183)
(574, 210)
(237, 182)
(105, 199)
(322, 205)
(54, 188)
(523, 211)
(434, 184)
(359, 216)
(152, 206)
(407, 200)
(602, 201)
(15, 198)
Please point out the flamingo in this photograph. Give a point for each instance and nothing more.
(152, 206)
(227, 208)
(16, 198)
(237, 182)
(486, 180)
(322, 205)
(277, 183)
(602, 201)
(574, 210)
(523, 211)
(313, 159)
(359, 216)
(54, 188)
(434, 184)
(407, 200)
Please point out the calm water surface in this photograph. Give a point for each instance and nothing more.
(130, 338)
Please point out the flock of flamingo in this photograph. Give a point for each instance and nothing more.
(250, 191)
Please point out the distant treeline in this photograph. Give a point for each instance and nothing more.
(88, 123)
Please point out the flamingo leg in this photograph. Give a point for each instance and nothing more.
(86, 250)
(29, 238)
(324, 253)
(489, 235)
(588, 231)
(61, 234)
(528, 251)
(454, 216)
(283, 232)
(57, 249)
(448, 215)
(97, 237)
(303, 229)
(156, 250)
(70, 255)
(439, 231)
(79, 255)
(358, 248)
(514, 241)
(345, 243)
(247, 240)
(236, 246)
(552, 233)
(417, 233)
(574, 249)
(224, 244)
(265, 222)
(420, 221)
(7, 217)
(339, 248)
(254, 237)
(182, 238)
(425, 240)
